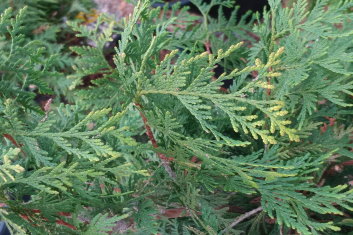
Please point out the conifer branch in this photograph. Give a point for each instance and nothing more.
(242, 218)
(12, 140)
(165, 160)
(88, 154)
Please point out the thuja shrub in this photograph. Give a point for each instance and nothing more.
(174, 123)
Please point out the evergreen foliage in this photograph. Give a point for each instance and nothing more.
(156, 144)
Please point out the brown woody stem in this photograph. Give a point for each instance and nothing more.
(242, 218)
(165, 160)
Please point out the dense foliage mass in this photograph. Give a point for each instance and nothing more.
(131, 127)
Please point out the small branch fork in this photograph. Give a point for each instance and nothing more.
(14, 142)
(242, 218)
(165, 160)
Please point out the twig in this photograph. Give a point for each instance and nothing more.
(46, 108)
(241, 218)
(14, 142)
(165, 160)
(208, 47)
